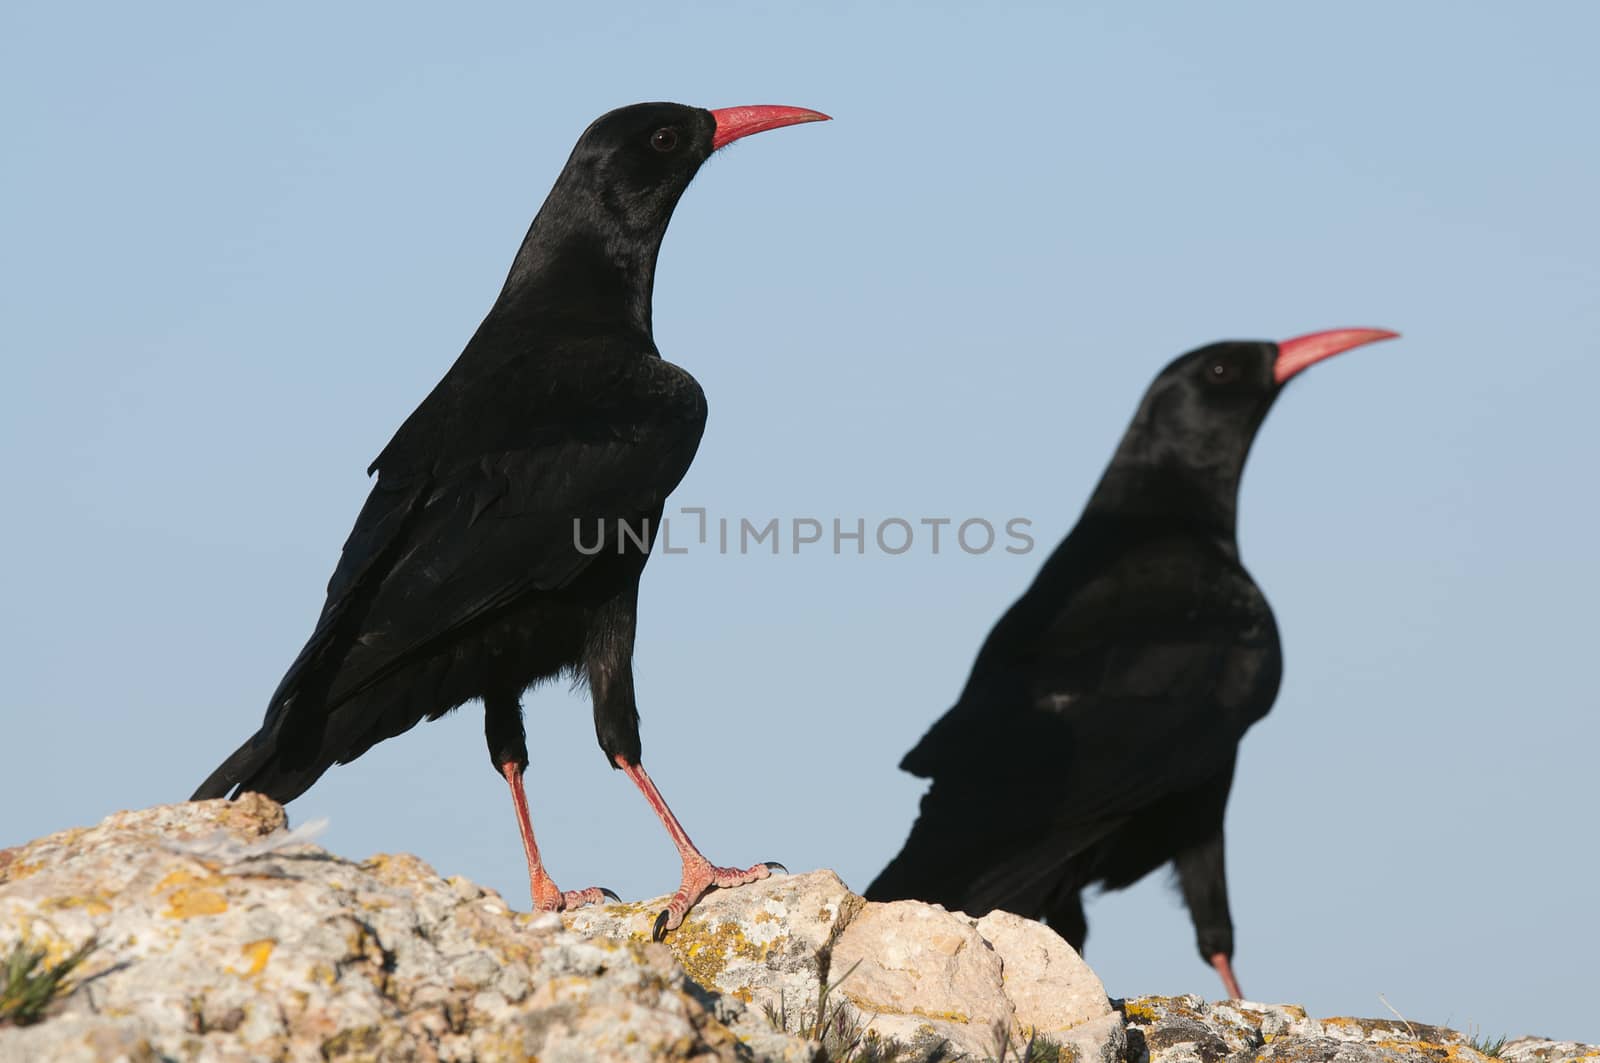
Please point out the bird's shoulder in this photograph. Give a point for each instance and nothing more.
(1129, 586)
(502, 398)
(1164, 629)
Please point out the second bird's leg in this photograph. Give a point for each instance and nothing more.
(1204, 882)
(508, 750)
(700, 876)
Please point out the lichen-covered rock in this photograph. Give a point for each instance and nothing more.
(1190, 1030)
(908, 972)
(1052, 990)
(222, 936)
(758, 942)
(1538, 1050)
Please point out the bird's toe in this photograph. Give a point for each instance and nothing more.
(659, 931)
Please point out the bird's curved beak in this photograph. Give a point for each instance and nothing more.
(1302, 352)
(736, 122)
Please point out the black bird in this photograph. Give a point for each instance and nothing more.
(474, 569)
(1096, 737)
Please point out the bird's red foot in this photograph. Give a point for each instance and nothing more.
(700, 877)
(547, 897)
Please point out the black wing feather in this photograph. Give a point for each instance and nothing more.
(1088, 703)
(442, 544)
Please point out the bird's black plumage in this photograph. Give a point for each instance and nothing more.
(1097, 734)
(515, 508)
(462, 578)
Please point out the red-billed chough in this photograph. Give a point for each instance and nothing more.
(1096, 737)
(464, 578)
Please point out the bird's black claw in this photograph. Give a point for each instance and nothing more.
(773, 865)
(659, 931)
(612, 897)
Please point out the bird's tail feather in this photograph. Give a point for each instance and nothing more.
(240, 765)
(259, 766)
(973, 854)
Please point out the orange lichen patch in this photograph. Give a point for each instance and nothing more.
(257, 953)
(190, 895)
(93, 903)
(188, 902)
(1135, 1011)
(704, 950)
(400, 869)
(1446, 1053)
(185, 877)
(13, 867)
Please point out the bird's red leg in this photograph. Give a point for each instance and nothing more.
(546, 896)
(1225, 969)
(700, 876)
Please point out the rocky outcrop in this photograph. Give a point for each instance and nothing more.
(907, 973)
(222, 935)
(1190, 1030)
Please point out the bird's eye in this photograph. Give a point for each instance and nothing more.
(1221, 372)
(664, 140)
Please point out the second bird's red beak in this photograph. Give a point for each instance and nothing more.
(736, 122)
(1305, 351)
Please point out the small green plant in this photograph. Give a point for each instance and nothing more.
(1491, 1047)
(844, 1037)
(1037, 1049)
(27, 985)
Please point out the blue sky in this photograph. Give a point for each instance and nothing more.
(242, 243)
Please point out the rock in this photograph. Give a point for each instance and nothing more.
(763, 943)
(1538, 1050)
(1189, 1030)
(224, 937)
(906, 972)
(1052, 990)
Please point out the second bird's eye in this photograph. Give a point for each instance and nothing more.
(1221, 372)
(664, 139)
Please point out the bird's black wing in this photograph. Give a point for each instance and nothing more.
(1093, 698)
(442, 544)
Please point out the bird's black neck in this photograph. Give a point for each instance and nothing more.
(1203, 499)
(582, 264)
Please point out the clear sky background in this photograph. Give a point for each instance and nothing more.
(241, 243)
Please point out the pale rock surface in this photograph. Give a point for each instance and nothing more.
(224, 937)
(905, 971)
(1190, 1030)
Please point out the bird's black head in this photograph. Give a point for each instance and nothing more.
(1184, 453)
(641, 158)
(636, 161)
(597, 236)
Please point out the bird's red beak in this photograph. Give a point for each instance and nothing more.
(736, 122)
(1303, 351)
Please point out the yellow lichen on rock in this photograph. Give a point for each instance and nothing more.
(92, 903)
(257, 953)
(190, 895)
